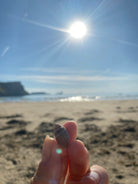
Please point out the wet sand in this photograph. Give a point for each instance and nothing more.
(109, 130)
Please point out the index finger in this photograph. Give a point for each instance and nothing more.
(71, 128)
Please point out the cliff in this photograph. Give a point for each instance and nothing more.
(12, 89)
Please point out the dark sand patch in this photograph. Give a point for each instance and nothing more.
(127, 121)
(61, 119)
(47, 115)
(11, 116)
(38, 136)
(91, 112)
(86, 119)
(21, 132)
(14, 124)
(91, 127)
(134, 111)
(118, 107)
(45, 127)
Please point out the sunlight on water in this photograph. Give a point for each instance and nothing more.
(76, 99)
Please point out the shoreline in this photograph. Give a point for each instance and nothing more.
(68, 98)
(59, 101)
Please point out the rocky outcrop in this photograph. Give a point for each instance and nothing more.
(12, 89)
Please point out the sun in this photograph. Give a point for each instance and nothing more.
(78, 30)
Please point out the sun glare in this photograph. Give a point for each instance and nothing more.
(78, 30)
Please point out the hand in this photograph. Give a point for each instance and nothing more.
(67, 166)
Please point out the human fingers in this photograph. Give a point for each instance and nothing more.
(78, 155)
(95, 175)
(79, 171)
(71, 128)
(78, 162)
(53, 166)
(54, 163)
(99, 175)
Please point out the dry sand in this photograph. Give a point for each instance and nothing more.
(109, 130)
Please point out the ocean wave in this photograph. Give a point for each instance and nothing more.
(76, 99)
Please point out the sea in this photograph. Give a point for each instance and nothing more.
(69, 97)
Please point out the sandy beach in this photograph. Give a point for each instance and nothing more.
(109, 130)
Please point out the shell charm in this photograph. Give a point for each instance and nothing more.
(61, 135)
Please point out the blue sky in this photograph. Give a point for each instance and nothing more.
(35, 50)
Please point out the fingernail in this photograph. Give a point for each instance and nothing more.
(95, 176)
(46, 152)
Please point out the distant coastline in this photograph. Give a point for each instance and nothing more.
(8, 89)
(39, 93)
(16, 89)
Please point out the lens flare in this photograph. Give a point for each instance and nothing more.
(58, 151)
